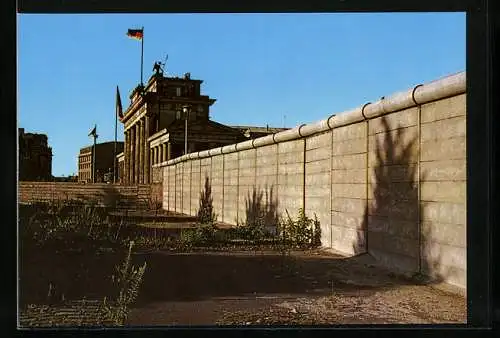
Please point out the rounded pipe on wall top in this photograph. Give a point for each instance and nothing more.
(374, 110)
(287, 135)
(413, 94)
(314, 128)
(363, 110)
(231, 148)
(300, 128)
(346, 118)
(439, 89)
(399, 101)
(245, 145)
(263, 141)
(329, 121)
(215, 151)
(203, 154)
(193, 156)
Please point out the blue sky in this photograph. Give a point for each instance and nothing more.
(259, 67)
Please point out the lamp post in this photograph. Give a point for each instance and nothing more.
(186, 109)
(93, 133)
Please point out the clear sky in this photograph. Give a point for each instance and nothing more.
(259, 67)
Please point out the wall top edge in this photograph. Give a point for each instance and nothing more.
(442, 88)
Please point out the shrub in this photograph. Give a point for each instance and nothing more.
(200, 235)
(302, 232)
(65, 227)
(206, 214)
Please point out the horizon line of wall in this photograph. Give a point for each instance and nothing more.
(387, 178)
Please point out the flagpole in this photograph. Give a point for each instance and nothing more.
(142, 54)
(116, 136)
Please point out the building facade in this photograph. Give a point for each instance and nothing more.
(154, 125)
(35, 157)
(121, 167)
(156, 120)
(104, 156)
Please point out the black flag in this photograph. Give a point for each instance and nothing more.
(119, 109)
(93, 132)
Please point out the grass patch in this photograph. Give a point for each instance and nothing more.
(74, 252)
(67, 253)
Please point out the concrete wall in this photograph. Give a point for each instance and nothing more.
(386, 178)
(104, 194)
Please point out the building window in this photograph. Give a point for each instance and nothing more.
(178, 91)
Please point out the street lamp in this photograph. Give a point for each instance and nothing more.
(93, 133)
(186, 109)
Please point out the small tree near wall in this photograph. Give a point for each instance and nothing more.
(206, 214)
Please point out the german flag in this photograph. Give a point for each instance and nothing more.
(135, 33)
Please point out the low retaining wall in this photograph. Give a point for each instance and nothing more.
(388, 178)
(133, 197)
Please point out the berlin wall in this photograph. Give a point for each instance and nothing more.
(387, 178)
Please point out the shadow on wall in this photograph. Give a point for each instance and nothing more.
(392, 231)
(261, 208)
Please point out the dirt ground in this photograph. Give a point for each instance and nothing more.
(236, 285)
(269, 288)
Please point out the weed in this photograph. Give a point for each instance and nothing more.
(201, 235)
(303, 232)
(128, 278)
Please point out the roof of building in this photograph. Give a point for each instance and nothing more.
(179, 124)
(89, 147)
(24, 134)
